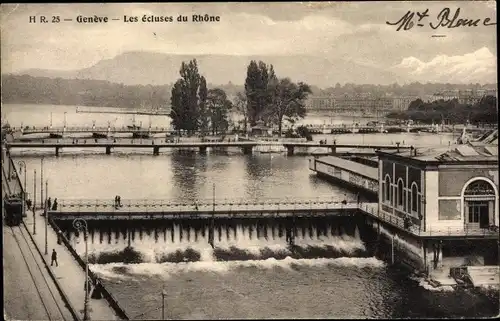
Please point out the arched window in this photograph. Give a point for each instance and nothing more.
(479, 187)
(479, 204)
(414, 197)
(400, 191)
(387, 191)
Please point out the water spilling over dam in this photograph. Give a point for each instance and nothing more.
(234, 239)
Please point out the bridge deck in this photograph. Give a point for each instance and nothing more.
(150, 210)
(148, 143)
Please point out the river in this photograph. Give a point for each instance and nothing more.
(349, 283)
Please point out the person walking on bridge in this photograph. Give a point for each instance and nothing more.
(53, 258)
(54, 206)
(49, 203)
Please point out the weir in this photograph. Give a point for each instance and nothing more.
(188, 240)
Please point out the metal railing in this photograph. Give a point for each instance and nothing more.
(431, 231)
(93, 129)
(269, 204)
(158, 205)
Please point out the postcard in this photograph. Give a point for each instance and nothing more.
(250, 160)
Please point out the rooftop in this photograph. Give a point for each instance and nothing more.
(367, 171)
(467, 152)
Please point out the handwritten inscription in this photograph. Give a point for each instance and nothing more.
(445, 19)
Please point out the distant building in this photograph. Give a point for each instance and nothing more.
(468, 96)
(359, 104)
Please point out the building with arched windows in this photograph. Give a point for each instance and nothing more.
(449, 198)
(439, 189)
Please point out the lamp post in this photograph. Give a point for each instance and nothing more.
(22, 165)
(81, 225)
(46, 211)
(41, 184)
(34, 201)
(65, 119)
(163, 294)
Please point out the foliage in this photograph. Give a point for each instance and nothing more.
(303, 131)
(218, 107)
(271, 99)
(188, 98)
(256, 89)
(451, 111)
(288, 99)
(240, 105)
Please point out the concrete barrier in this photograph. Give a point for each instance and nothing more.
(105, 293)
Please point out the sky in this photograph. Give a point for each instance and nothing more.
(355, 31)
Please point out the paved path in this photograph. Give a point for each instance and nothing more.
(69, 274)
(29, 292)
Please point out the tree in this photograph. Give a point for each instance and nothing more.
(288, 99)
(188, 98)
(256, 89)
(202, 94)
(218, 110)
(240, 104)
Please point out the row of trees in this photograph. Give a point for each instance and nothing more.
(193, 107)
(266, 98)
(452, 111)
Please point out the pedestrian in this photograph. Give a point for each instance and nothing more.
(196, 206)
(54, 206)
(49, 203)
(116, 201)
(96, 294)
(28, 203)
(119, 199)
(54, 258)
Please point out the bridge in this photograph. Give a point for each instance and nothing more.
(155, 145)
(93, 129)
(343, 128)
(140, 210)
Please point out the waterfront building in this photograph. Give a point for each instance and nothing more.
(359, 105)
(468, 96)
(445, 194)
(442, 189)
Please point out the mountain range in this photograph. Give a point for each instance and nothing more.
(150, 68)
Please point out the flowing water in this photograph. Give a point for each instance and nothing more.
(251, 272)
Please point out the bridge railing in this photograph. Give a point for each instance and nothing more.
(431, 231)
(152, 205)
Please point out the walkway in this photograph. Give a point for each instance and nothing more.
(29, 291)
(69, 274)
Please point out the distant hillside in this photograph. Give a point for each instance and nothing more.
(149, 68)
(43, 90)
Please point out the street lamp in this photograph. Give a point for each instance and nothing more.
(46, 212)
(22, 165)
(34, 201)
(65, 119)
(81, 225)
(163, 295)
